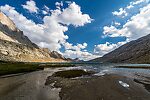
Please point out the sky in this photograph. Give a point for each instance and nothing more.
(84, 29)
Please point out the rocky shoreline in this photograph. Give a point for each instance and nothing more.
(106, 87)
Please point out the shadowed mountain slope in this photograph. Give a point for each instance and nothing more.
(137, 51)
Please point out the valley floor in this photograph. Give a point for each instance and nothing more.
(47, 85)
(107, 87)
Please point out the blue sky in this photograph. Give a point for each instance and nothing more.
(98, 27)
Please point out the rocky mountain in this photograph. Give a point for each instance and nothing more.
(137, 51)
(77, 60)
(15, 46)
(55, 54)
(9, 32)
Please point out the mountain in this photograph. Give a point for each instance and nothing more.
(55, 54)
(137, 51)
(77, 60)
(15, 46)
(9, 32)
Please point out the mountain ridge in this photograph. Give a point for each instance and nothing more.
(15, 46)
(136, 51)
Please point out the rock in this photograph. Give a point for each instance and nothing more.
(4, 52)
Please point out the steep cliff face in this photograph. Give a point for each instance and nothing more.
(15, 46)
(6, 21)
(137, 51)
(9, 32)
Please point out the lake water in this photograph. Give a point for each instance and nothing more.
(110, 68)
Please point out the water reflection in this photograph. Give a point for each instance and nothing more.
(28, 87)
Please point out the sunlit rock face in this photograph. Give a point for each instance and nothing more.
(15, 46)
(6, 21)
(6, 25)
(9, 32)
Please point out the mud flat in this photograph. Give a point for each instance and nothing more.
(105, 87)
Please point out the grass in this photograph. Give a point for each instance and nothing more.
(55, 65)
(13, 68)
(71, 73)
(20, 67)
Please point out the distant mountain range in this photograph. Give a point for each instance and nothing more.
(15, 46)
(137, 51)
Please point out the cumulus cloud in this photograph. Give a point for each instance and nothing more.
(136, 27)
(59, 4)
(78, 51)
(46, 10)
(78, 47)
(50, 34)
(123, 12)
(102, 49)
(31, 6)
(73, 15)
(82, 55)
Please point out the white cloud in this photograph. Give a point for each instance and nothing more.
(69, 2)
(59, 4)
(135, 3)
(123, 12)
(138, 2)
(46, 10)
(73, 15)
(50, 34)
(112, 31)
(117, 23)
(136, 27)
(102, 49)
(31, 6)
(77, 47)
(82, 55)
(78, 51)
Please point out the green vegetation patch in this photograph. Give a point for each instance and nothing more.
(72, 73)
(57, 65)
(13, 68)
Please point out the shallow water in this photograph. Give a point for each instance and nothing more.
(110, 68)
(31, 86)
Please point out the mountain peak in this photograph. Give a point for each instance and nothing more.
(15, 46)
(7, 21)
